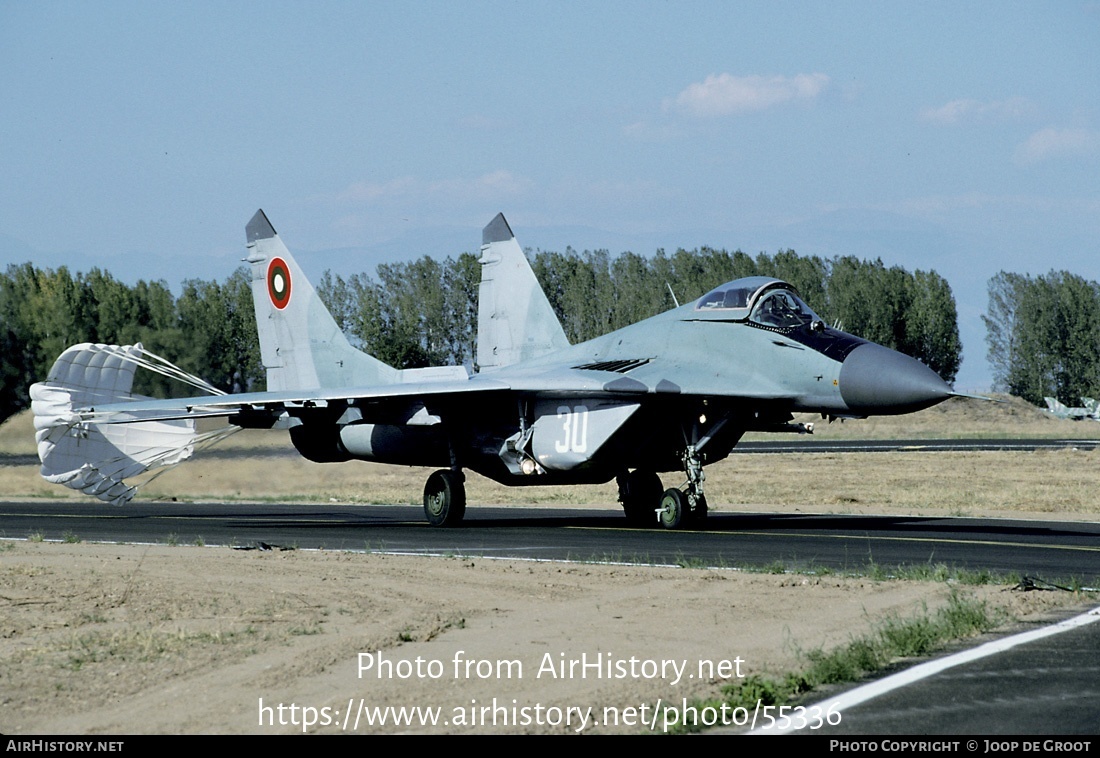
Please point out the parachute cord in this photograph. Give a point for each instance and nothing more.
(151, 362)
(158, 365)
(148, 464)
(213, 437)
(201, 442)
(167, 368)
(163, 470)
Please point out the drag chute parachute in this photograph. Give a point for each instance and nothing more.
(96, 452)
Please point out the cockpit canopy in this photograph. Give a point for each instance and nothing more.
(762, 300)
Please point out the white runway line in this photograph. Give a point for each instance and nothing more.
(872, 690)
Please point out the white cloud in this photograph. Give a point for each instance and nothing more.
(1058, 143)
(724, 94)
(968, 109)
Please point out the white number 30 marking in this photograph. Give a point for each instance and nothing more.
(574, 429)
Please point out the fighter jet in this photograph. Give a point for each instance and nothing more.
(1090, 409)
(672, 393)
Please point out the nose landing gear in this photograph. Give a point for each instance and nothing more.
(685, 506)
(677, 508)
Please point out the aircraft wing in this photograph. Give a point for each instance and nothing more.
(228, 405)
(563, 381)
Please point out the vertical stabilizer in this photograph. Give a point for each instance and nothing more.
(300, 343)
(514, 319)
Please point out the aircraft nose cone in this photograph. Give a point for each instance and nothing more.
(876, 380)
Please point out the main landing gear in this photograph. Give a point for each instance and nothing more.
(640, 493)
(676, 508)
(445, 498)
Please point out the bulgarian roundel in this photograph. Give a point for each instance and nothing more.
(278, 283)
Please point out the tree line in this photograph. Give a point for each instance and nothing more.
(424, 312)
(208, 330)
(1043, 335)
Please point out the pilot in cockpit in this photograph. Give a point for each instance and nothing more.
(777, 309)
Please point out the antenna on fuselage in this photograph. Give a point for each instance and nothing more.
(673, 294)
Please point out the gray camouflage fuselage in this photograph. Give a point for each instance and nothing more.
(672, 392)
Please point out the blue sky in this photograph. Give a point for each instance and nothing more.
(961, 137)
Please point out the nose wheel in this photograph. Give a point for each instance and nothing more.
(674, 510)
(678, 512)
(686, 506)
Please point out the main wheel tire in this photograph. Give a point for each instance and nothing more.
(674, 510)
(445, 498)
(642, 497)
(699, 515)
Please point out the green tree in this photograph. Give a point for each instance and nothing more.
(869, 300)
(18, 341)
(461, 279)
(218, 326)
(639, 292)
(932, 325)
(1001, 326)
(1044, 335)
(1078, 367)
(106, 307)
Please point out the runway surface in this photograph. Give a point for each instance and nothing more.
(1060, 552)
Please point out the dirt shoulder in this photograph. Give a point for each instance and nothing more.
(128, 639)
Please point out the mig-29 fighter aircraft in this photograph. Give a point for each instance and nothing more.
(668, 394)
(1089, 409)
